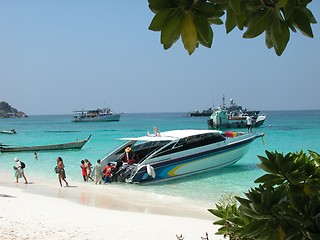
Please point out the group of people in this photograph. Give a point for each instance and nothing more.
(100, 173)
(106, 173)
(86, 170)
(19, 171)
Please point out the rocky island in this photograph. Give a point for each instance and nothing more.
(6, 111)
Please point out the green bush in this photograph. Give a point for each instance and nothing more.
(285, 205)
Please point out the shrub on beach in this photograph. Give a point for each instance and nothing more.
(285, 205)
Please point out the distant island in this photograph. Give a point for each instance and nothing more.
(6, 111)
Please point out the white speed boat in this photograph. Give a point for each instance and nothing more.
(177, 153)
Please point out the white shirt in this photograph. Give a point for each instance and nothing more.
(248, 120)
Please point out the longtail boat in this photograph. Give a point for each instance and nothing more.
(62, 146)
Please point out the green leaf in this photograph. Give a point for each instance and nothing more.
(259, 23)
(171, 29)
(280, 35)
(189, 33)
(230, 21)
(216, 212)
(205, 36)
(235, 6)
(253, 228)
(169, 45)
(281, 3)
(249, 213)
(216, 21)
(156, 5)
(160, 19)
(312, 19)
(302, 22)
(270, 178)
(271, 155)
(268, 167)
(241, 18)
(288, 9)
(208, 9)
(243, 201)
(220, 222)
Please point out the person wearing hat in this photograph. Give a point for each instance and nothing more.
(128, 156)
(19, 170)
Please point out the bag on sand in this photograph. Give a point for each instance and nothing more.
(23, 165)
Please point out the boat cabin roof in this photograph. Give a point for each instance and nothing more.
(172, 135)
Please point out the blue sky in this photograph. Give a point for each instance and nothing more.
(65, 55)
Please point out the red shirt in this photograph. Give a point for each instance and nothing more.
(83, 170)
(108, 170)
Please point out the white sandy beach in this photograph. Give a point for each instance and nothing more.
(88, 211)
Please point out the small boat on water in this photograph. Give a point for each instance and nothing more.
(222, 119)
(12, 131)
(203, 113)
(61, 146)
(234, 116)
(97, 115)
(177, 153)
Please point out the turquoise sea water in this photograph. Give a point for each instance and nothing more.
(284, 131)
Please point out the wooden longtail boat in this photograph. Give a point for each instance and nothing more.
(52, 147)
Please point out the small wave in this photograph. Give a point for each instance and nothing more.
(61, 131)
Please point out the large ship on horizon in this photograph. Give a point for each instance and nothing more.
(97, 115)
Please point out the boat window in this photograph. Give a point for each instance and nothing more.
(143, 150)
(192, 142)
(165, 150)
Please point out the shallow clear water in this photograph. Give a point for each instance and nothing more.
(284, 131)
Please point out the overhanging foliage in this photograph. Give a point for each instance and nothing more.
(192, 20)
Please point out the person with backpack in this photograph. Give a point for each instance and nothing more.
(19, 170)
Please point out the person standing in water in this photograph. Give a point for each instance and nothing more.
(89, 171)
(62, 173)
(83, 170)
(98, 172)
(249, 123)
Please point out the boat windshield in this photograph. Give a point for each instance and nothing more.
(191, 142)
(143, 149)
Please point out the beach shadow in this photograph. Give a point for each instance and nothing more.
(70, 186)
(7, 196)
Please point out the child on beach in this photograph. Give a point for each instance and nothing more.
(61, 173)
(84, 170)
(19, 170)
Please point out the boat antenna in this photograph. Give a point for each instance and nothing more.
(223, 102)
